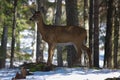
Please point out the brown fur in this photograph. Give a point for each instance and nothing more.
(21, 75)
(53, 34)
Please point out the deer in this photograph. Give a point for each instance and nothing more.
(66, 35)
(21, 75)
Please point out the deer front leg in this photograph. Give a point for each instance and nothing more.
(51, 48)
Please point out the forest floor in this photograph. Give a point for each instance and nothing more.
(63, 73)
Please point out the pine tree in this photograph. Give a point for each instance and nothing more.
(108, 38)
(96, 33)
(58, 22)
(91, 25)
(116, 33)
(5, 16)
(72, 19)
(39, 48)
(13, 33)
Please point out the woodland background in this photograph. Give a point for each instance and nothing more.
(101, 18)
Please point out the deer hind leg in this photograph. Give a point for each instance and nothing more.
(51, 48)
(85, 48)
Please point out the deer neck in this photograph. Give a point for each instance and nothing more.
(41, 26)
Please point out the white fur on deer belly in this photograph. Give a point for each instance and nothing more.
(65, 44)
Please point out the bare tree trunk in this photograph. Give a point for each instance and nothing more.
(96, 33)
(108, 38)
(85, 12)
(13, 34)
(86, 26)
(72, 19)
(39, 48)
(91, 25)
(118, 61)
(59, 56)
(116, 34)
(18, 41)
(58, 12)
(57, 22)
(3, 48)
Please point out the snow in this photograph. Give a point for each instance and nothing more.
(65, 74)
(101, 58)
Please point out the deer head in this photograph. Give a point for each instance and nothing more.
(35, 16)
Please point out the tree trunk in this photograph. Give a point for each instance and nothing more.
(108, 38)
(86, 26)
(72, 12)
(85, 12)
(91, 25)
(59, 56)
(57, 22)
(13, 34)
(39, 48)
(72, 19)
(18, 41)
(96, 33)
(118, 61)
(3, 48)
(116, 34)
(58, 12)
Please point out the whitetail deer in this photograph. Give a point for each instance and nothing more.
(21, 75)
(53, 35)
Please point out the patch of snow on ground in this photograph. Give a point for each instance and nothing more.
(101, 58)
(65, 74)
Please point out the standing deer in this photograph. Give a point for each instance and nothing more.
(54, 35)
